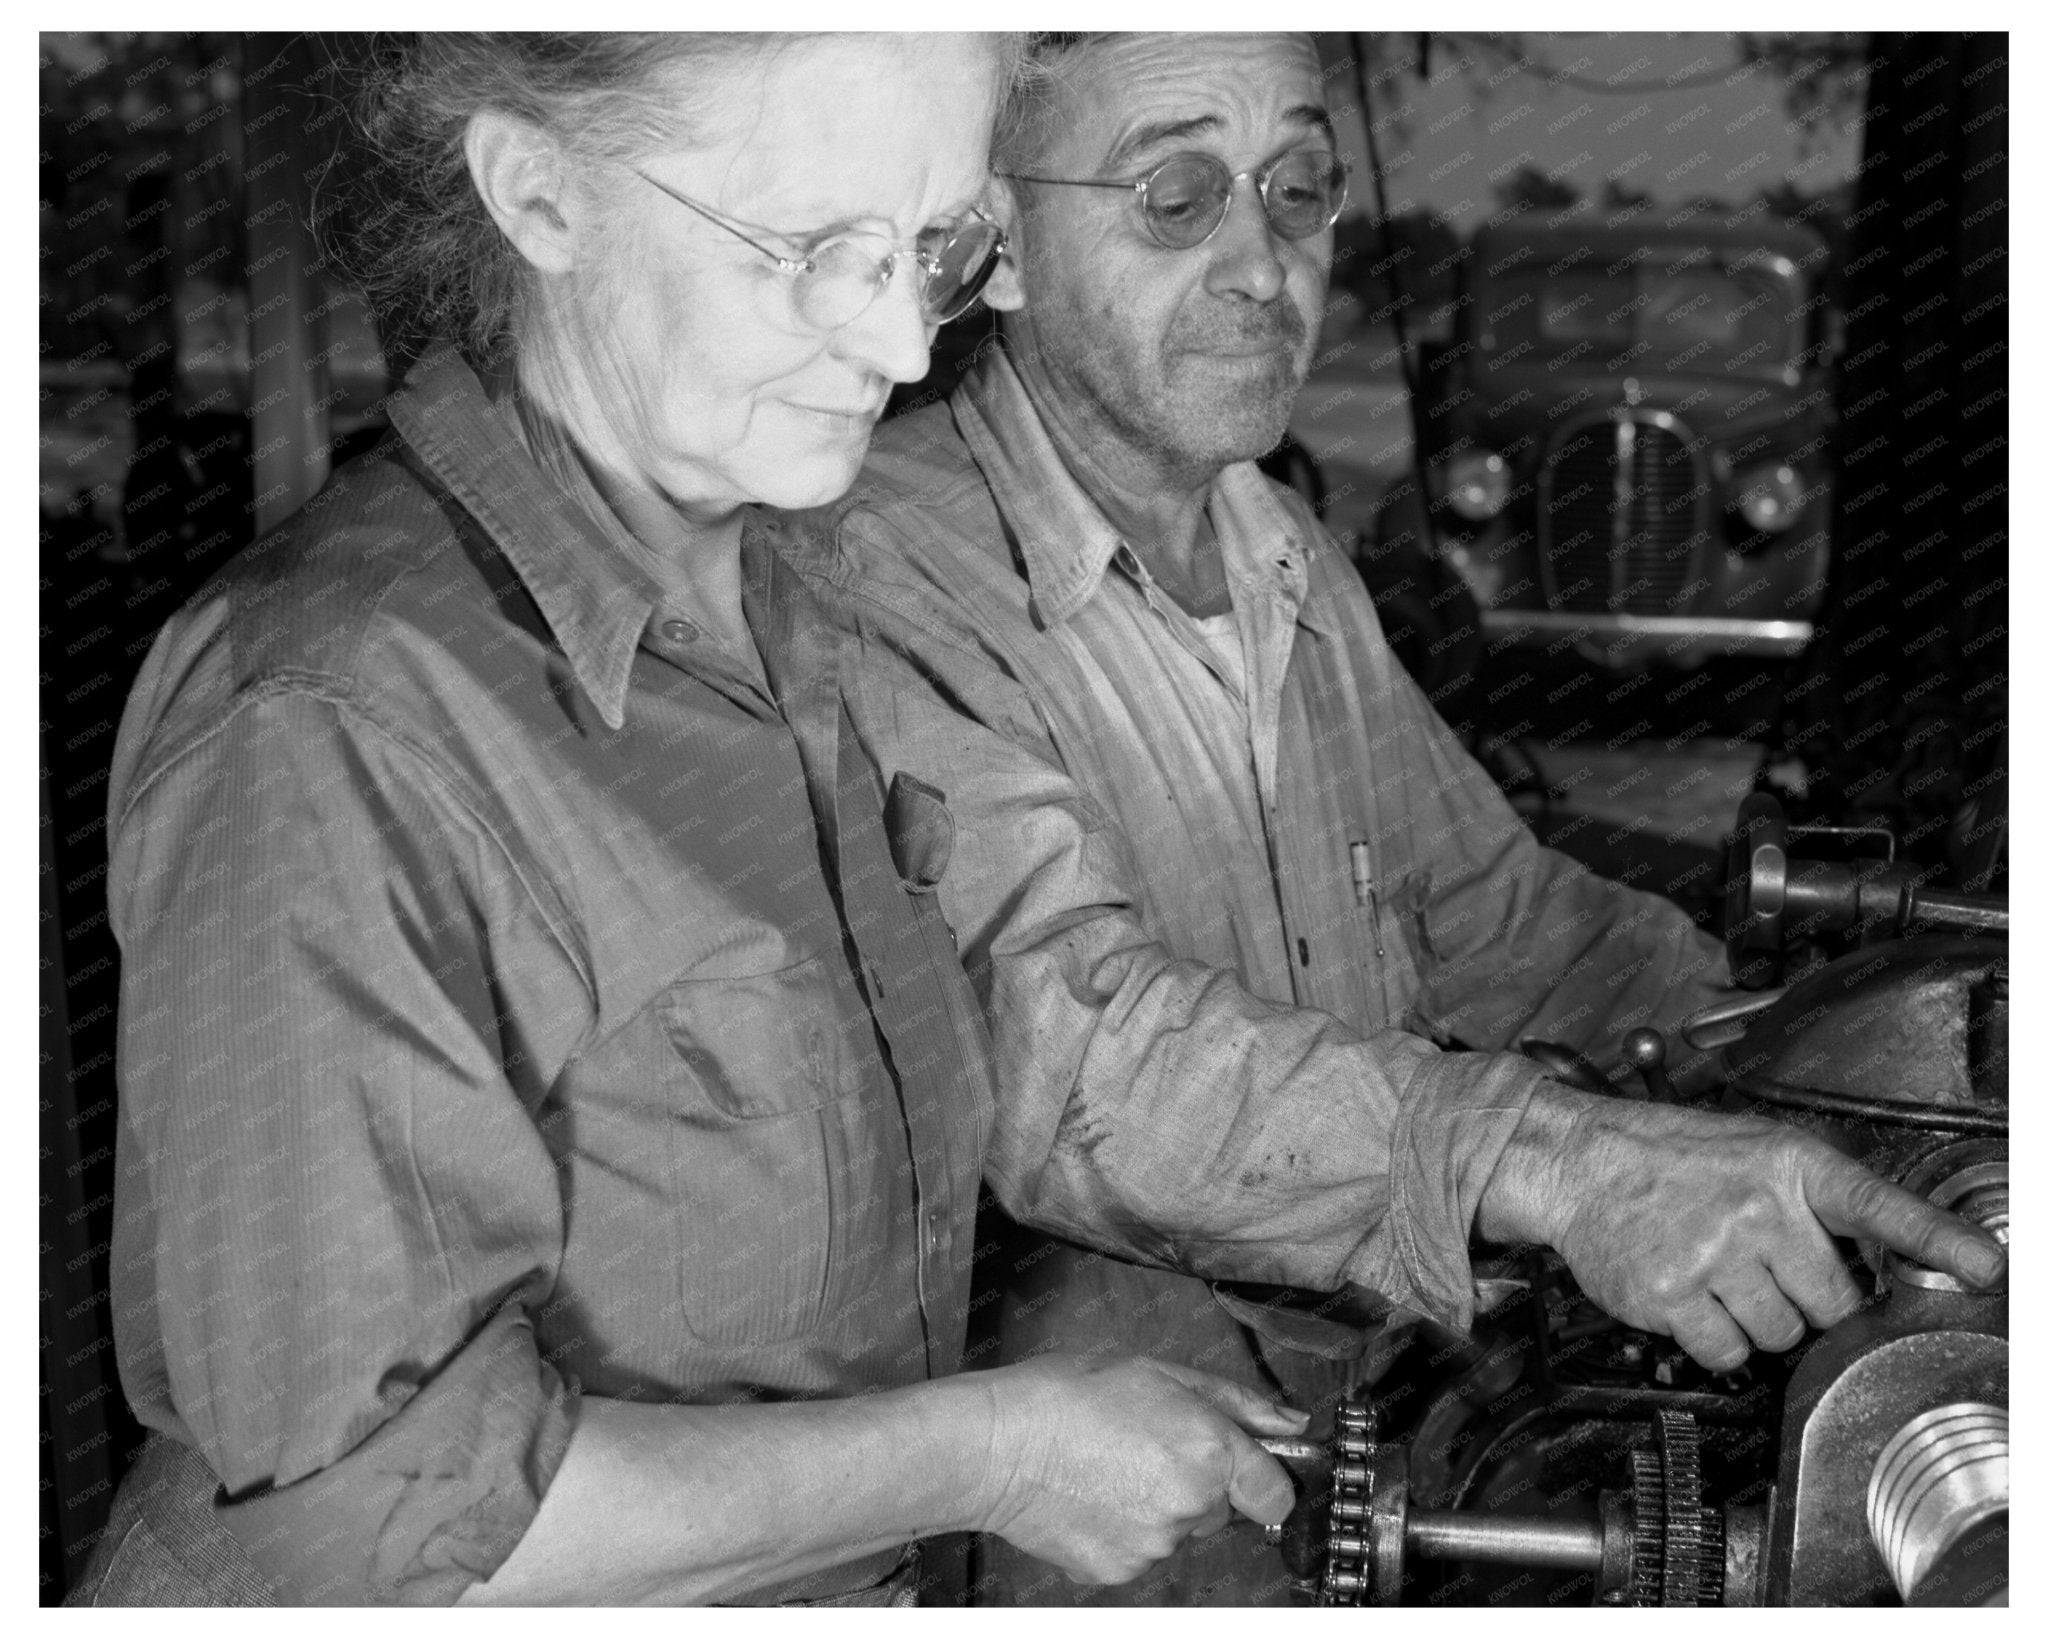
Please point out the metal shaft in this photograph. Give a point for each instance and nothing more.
(1934, 908)
(1499, 1539)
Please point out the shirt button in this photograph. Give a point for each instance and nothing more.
(931, 1233)
(680, 631)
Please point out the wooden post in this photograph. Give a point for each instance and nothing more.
(287, 329)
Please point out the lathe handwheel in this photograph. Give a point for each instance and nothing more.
(1754, 925)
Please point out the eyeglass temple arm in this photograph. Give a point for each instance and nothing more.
(1071, 181)
(787, 263)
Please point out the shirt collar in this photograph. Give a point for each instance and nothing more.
(1066, 542)
(595, 601)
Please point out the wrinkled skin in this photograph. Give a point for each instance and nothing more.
(1715, 1229)
(1155, 368)
(1104, 1467)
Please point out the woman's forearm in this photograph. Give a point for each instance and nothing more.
(666, 1504)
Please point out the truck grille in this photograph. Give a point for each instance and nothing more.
(1619, 520)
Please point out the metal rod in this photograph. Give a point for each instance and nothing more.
(1300, 1451)
(1934, 908)
(1502, 1540)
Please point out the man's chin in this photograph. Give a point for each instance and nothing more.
(1240, 402)
(1226, 431)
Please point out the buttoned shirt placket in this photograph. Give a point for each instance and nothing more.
(802, 657)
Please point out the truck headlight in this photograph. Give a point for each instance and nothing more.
(1770, 497)
(1476, 484)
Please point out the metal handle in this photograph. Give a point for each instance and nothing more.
(1726, 1022)
(1570, 1066)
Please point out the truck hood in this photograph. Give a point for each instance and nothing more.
(1528, 398)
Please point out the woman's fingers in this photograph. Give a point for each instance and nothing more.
(1248, 1408)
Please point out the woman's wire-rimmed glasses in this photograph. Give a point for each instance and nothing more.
(1183, 201)
(839, 281)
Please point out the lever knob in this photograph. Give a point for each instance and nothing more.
(1645, 1050)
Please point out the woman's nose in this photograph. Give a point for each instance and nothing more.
(893, 336)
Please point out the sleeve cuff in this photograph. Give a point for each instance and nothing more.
(436, 1498)
(1459, 1116)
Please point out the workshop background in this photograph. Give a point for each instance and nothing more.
(201, 369)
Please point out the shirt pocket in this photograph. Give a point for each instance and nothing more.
(920, 831)
(1411, 959)
(775, 1159)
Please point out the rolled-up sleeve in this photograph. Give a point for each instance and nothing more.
(336, 1210)
(1150, 1106)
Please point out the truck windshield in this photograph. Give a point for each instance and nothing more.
(1651, 315)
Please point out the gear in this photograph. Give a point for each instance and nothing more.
(1713, 1556)
(1646, 1562)
(1678, 1445)
(1678, 1552)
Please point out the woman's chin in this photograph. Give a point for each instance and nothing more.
(811, 479)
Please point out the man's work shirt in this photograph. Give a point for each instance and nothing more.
(1217, 910)
(516, 999)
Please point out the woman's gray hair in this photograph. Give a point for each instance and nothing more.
(1028, 113)
(412, 229)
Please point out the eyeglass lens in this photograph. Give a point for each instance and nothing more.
(847, 275)
(1186, 197)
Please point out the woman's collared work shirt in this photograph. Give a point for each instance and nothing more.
(515, 997)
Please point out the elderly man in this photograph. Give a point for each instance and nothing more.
(1226, 883)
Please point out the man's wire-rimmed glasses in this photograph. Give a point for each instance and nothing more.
(1183, 201)
(840, 279)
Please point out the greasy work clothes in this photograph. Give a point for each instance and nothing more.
(502, 974)
(1217, 908)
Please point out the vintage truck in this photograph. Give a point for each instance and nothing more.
(1623, 446)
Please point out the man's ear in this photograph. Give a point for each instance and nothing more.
(1005, 289)
(519, 175)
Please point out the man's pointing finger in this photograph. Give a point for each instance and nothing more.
(1851, 1200)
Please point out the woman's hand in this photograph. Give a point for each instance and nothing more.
(1715, 1229)
(1104, 1466)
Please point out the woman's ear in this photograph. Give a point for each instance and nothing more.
(1005, 289)
(519, 175)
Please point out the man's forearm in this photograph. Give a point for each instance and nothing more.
(1519, 1203)
(665, 1504)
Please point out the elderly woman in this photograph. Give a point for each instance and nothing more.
(553, 1109)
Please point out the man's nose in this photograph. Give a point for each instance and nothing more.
(1244, 257)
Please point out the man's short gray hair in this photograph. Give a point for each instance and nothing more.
(1027, 117)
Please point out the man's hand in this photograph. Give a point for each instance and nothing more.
(1103, 1467)
(1713, 1228)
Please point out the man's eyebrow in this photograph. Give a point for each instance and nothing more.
(1156, 132)
(1309, 113)
(1159, 132)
